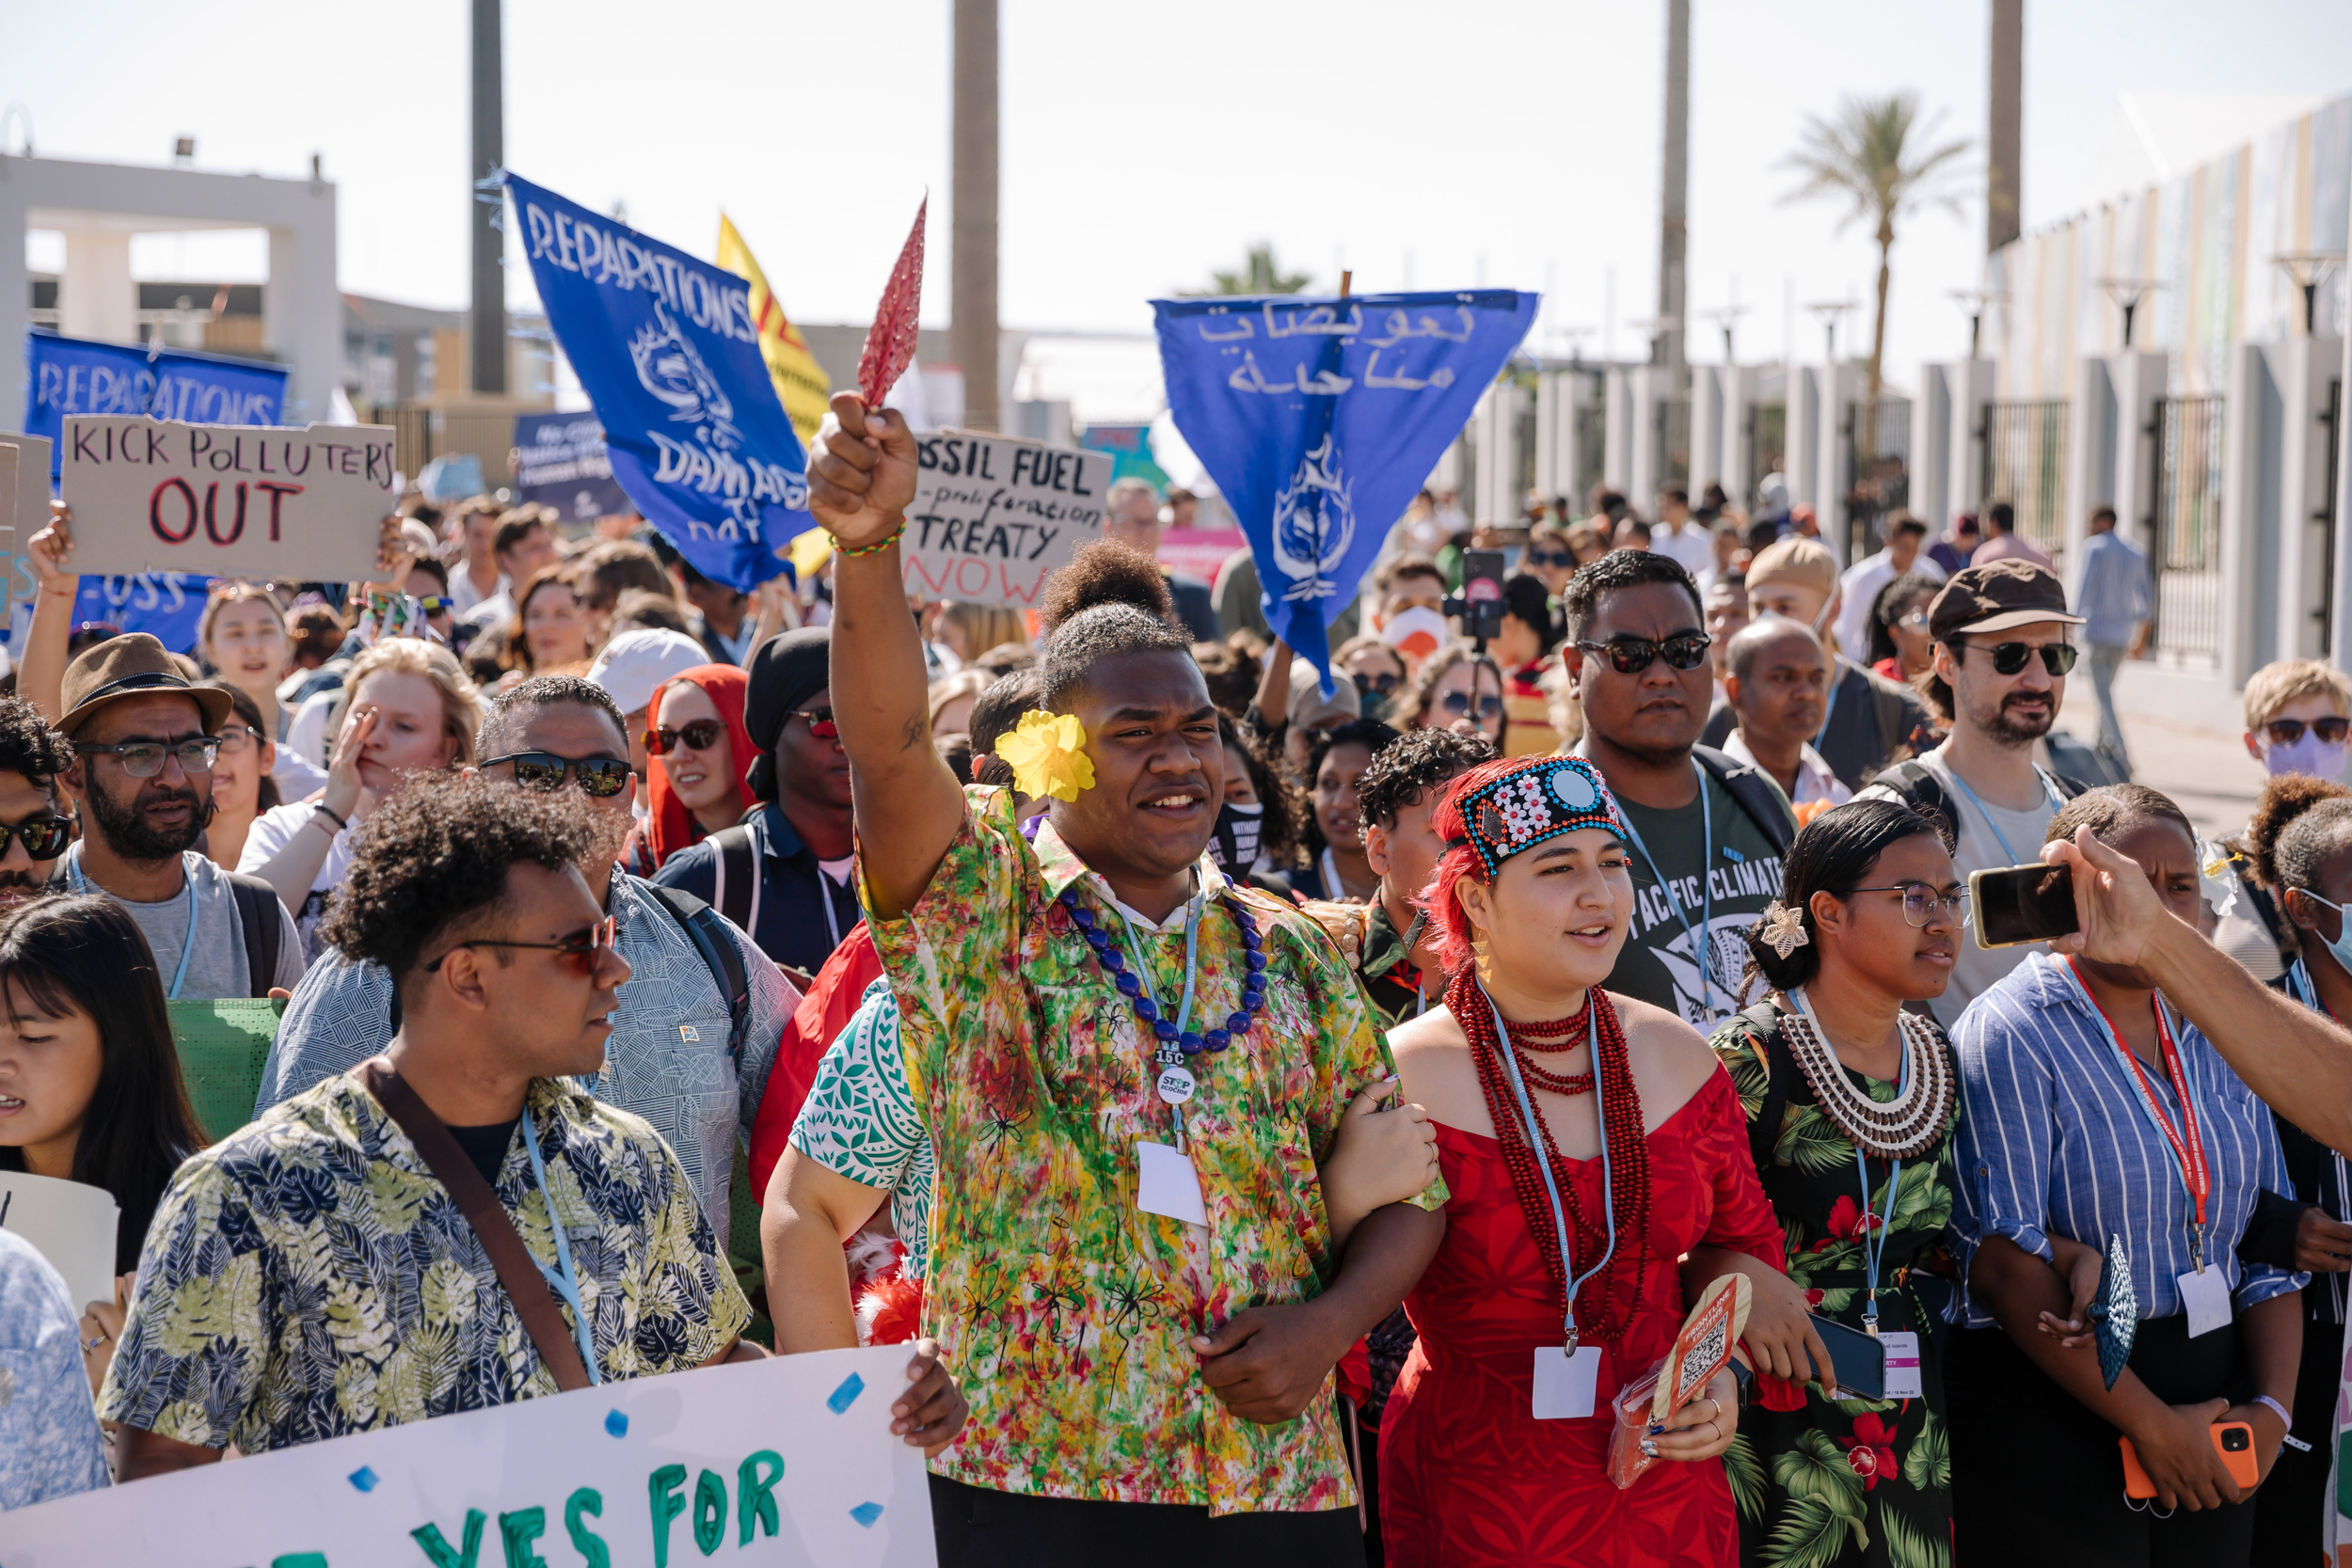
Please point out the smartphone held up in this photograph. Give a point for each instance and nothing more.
(2018, 904)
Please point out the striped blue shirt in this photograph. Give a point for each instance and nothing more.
(2054, 1138)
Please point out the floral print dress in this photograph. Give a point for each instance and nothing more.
(1819, 1482)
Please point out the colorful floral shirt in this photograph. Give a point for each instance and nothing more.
(860, 1120)
(1065, 1309)
(307, 1278)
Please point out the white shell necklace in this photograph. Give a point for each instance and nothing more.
(1898, 1129)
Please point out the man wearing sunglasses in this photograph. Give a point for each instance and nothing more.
(143, 742)
(35, 822)
(676, 1056)
(1707, 831)
(2004, 644)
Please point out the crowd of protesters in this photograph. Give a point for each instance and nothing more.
(823, 964)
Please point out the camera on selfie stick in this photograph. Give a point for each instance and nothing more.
(1480, 606)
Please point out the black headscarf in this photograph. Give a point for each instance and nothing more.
(787, 670)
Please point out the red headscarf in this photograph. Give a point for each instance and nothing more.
(669, 825)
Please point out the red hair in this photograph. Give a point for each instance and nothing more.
(669, 826)
(1455, 932)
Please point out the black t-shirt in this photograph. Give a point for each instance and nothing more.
(1720, 898)
(486, 1147)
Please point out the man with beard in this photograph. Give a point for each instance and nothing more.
(689, 1050)
(36, 822)
(2002, 650)
(142, 773)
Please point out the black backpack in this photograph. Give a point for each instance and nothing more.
(259, 913)
(1917, 786)
(1755, 793)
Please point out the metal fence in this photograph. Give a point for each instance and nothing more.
(1768, 444)
(2024, 447)
(2185, 528)
(1879, 480)
(1672, 433)
(413, 434)
(2332, 421)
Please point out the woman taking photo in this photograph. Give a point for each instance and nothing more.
(2093, 1111)
(243, 785)
(550, 630)
(89, 1081)
(1850, 1103)
(1456, 688)
(411, 710)
(696, 753)
(1531, 1065)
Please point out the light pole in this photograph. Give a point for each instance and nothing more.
(1827, 311)
(1724, 316)
(2128, 293)
(1976, 302)
(2309, 268)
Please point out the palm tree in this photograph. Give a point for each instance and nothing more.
(1259, 275)
(1874, 154)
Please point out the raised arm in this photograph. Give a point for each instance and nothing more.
(861, 480)
(41, 675)
(2296, 1060)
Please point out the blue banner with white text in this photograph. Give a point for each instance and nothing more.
(1319, 418)
(666, 349)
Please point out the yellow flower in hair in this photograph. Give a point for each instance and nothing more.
(1047, 755)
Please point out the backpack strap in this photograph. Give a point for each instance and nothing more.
(1912, 782)
(1755, 793)
(720, 955)
(735, 891)
(1888, 707)
(257, 912)
(518, 1271)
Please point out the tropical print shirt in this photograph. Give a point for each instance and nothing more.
(307, 1278)
(1065, 1309)
(860, 1120)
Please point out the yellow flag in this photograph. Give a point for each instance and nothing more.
(801, 381)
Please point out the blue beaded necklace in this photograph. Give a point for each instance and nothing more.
(1174, 1041)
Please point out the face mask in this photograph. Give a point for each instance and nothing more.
(2341, 949)
(1233, 842)
(1416, 630)
(2308, 754)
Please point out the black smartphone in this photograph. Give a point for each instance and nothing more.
(2022, 903)
(1859, 1358)
(1481, 604)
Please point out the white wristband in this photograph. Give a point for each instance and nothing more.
(2285, 1418)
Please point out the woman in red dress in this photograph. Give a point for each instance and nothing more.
(1531, 1063)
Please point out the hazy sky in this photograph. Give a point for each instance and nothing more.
(1499, 141)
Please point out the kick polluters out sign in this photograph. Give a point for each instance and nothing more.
(994, 518)
(265, 502)
(788, 1462)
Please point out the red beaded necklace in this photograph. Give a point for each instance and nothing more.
(1560, 1033)
(1607, 1313)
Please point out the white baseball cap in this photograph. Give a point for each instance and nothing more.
(636, 662)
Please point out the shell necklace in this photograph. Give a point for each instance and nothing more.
(1898, 1129)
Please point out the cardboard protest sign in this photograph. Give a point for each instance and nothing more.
(29, 492)
(993, 517)
(227, 500)
(785, 1463)
(70, 1225)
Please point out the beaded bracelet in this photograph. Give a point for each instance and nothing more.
(320, 809)
(875, 549)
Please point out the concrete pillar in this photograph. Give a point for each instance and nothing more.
(16, 283)
(1496, 498)
(302, 314)
(1968, 386)
(1708, 407)
(1802, 436)
(2140, 379)
(96, 298)
(1646, 463)
(974, 135)
(2302, 369)
(2091, 433)
(1930, 464)
(2250, 525)
(1838, 389)
(1616, 446)
(1735, 447)
(1548, 433)
(2340, 623)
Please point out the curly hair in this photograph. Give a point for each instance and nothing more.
(437, 855)
(1104, 572)
(1621, 569)
(2299, 822)
(1110, 601)
(1833, 853)
(28, 745)
(1411, 766)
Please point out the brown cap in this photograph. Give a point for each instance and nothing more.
(133, 665)
(1807, 562)
(1998, 596)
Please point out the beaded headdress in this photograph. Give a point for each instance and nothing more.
(1549, 797)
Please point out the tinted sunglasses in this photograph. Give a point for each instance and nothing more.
(2286, 732)
(820, 722)
(1371, 686)
(1551, 558)
(44, 837)
(2009, 658)
(1630, 656)
(599, 777)
(700, 735)
(578, 952)
(1458, 704)
(144, 760)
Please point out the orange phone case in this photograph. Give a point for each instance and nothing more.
(2239, 1462)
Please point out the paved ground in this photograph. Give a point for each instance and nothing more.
(2207, 772)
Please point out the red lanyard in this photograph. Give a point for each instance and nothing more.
(2187, 1143)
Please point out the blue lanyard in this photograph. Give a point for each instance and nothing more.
(188, 943)
(1192, 974)
(1872, 1256)
(2047, 789)
(560, 1279)
(1551, 1188)
(1700, 942)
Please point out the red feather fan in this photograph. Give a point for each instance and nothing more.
(890, 342)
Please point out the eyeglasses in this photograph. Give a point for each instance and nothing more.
(1551, 558)
(1458, 704)
(144, 760)
(699, 735)
(579, 952)
(2286, 732)
(1916, 620)
(44, 837)
(1630, 656)
(820, 722)
(236, 740)
(2009, 658)
(1375, 686)
(600, 778)
(1921, 902)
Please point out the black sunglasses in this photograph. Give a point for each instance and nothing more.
(1630, 656)
(2286, 732)
(600, 777)
(1458, 704)
(1374, 684)
(44, 837)
(2009, 658)
(1551, 558)
(700, 734)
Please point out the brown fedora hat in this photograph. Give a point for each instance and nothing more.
(133, 665)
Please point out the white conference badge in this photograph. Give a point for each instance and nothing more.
(1903, 1378)
(1564, 1385)
(1167, 1183)
(2205, 1296)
